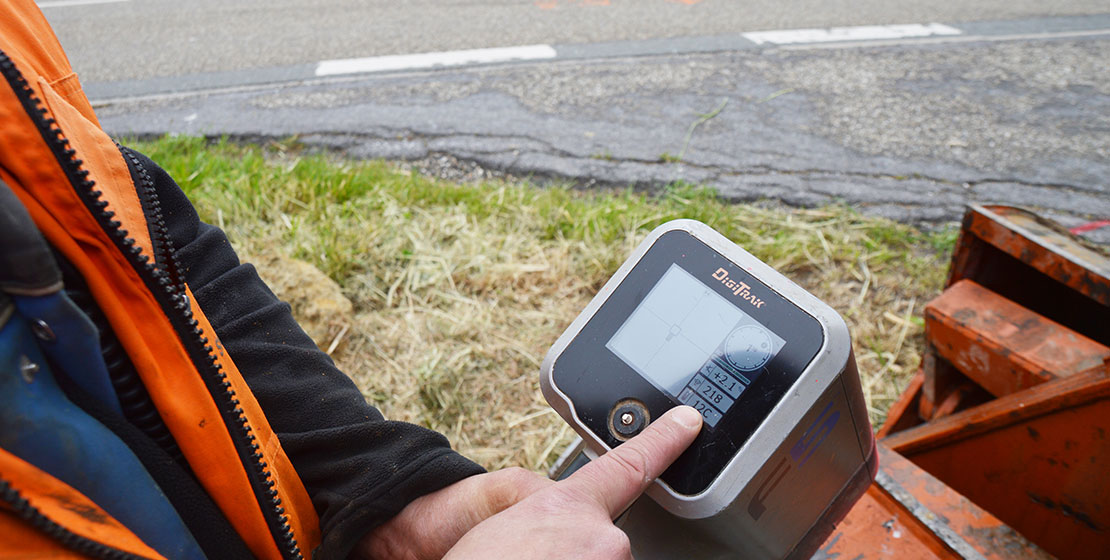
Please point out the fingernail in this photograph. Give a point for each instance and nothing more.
(687, 417)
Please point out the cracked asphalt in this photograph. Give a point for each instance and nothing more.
(913, 132)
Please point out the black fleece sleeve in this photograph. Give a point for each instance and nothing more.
(359, 468)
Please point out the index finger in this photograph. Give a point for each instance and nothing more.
(617, 478)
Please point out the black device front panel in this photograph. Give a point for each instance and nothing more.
(735, 389)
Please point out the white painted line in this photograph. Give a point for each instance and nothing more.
(431, 60)
(860, 33)
(64, 3)
(949, 40)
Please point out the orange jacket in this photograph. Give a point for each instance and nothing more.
(72, 179)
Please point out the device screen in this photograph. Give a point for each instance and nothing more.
(694, 345)
(686, 325)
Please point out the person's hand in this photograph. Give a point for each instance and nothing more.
(432, 524)
(574, 518)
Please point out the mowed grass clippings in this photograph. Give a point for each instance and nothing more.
(441, 299)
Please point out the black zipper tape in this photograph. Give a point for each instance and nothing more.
(29, 513)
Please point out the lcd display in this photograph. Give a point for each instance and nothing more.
(694, 345)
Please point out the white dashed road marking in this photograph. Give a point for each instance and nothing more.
(64, 3)
(432, 60)
(859, 33)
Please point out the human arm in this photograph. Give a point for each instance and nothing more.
(359, 469)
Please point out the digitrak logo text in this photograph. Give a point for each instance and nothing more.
(738, 288)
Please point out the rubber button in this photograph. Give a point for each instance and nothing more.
(628, 418)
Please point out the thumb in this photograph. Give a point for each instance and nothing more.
(617, 478)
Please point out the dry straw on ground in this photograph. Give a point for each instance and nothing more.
(444, 298)
(452, 334)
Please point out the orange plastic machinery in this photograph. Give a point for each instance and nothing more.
(1002, 439)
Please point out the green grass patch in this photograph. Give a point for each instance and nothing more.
(440, 299)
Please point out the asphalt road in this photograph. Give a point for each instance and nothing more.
(151, 38)
(1009, 105)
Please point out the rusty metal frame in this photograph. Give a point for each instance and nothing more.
(909, 514)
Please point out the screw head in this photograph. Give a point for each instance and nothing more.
(27, 369)
(627, 419)
(43, 331)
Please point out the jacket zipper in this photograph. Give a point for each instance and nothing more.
(164, 280)
(29, 513)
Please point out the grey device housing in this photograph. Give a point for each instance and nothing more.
(794, 478)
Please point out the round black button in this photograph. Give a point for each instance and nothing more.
(628, 418)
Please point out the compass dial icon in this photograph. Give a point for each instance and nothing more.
(749, 347)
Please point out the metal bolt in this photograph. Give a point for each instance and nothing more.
(28, 368)
(627, 419)
(43, 330)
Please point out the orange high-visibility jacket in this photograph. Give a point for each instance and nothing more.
(75, 184)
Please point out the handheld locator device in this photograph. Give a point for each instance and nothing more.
(785, 448)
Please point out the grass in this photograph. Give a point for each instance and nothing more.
(441, 299)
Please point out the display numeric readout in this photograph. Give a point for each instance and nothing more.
(733, 385)
(713, 390)
(721, 380)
